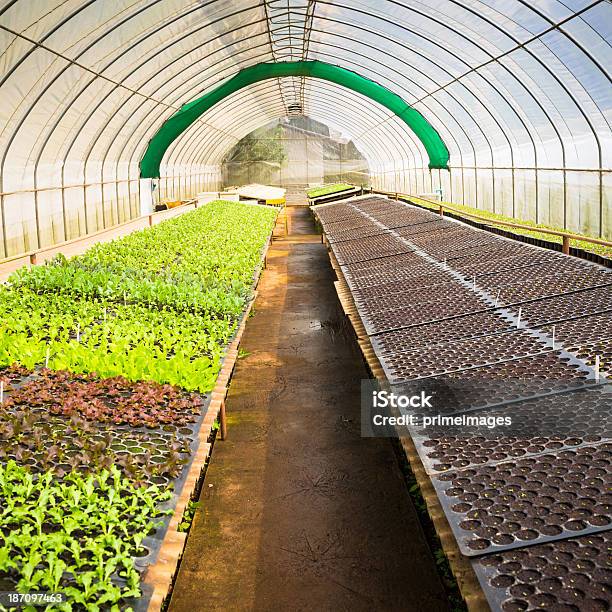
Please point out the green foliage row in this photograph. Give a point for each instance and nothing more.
(317, 192)
(160, 304)
(77, 536)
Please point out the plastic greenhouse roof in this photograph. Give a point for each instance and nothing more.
(86, 85)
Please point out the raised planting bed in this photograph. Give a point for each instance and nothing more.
(160, 304)
(116, 363)
(493, 330)
(325, 190)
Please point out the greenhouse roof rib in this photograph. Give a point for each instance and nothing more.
(512, 96)
(180, 121)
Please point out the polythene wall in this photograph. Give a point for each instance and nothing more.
(568, 199)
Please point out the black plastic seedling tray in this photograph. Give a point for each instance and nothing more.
(572, 574)
(431, 334)
(542, 498)
(548, 424)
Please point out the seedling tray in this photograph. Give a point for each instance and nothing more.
(548, 424)
(541, 269)
(424, 284)
(418, 277)
(387, 265)
(381, 321)
(459, 355)
(572, 574)
(334, 228)
(549, 286)
(529, 501)
(494, 252)
(414, 297)
(591, 351)
(397, 219)
(365, 249)
(507, 262)
(562, 307)
(431, 334)
(333, 213)
(154, 541)
(589, 328)
(366, 231)
(431, 227)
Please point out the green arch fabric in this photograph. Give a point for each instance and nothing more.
(182, 119)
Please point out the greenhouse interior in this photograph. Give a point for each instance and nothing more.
(306, 305)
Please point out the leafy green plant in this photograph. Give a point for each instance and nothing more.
(107, 400)
(188, 515)
(77, 535)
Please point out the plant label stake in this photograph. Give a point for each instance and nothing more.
(597, 368)
(47, 358)
(518, 319)
(553, 337)
(497, 298)
(1, 392)
(78, 338)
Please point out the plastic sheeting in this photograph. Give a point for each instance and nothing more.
(519, 92)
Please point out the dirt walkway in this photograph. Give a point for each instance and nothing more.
(298, 511)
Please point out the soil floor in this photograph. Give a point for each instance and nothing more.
(298, 511)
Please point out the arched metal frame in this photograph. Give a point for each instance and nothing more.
(518, 98)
